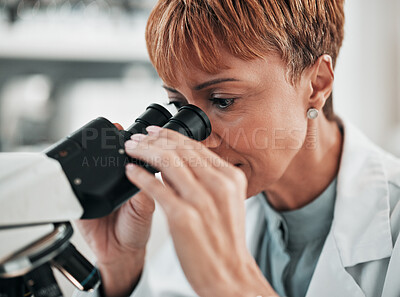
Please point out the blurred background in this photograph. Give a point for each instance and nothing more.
(65, 62)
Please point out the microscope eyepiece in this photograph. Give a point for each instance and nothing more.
(155, 115)
(190, 121)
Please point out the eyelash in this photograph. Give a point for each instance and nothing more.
(215, 101)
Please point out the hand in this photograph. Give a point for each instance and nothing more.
(119, 243)
(203, 199)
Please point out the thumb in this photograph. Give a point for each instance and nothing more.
(142, 204)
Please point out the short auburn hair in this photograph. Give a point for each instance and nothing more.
(183, 32)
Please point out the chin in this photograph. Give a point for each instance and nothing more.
(257, 186)
(256, 182)
(252, 190)
(251, 193)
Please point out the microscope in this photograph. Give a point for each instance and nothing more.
(80, 177)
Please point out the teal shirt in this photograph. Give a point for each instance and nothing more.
(292, 242)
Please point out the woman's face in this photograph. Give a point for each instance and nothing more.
(258, 118)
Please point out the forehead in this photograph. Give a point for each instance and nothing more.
(270, 67)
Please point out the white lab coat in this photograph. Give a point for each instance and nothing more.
(361, 255)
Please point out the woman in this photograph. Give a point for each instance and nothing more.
(323, 219)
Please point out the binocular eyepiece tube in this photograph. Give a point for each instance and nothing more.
(189, 120)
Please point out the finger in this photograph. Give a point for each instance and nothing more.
(215, 175)
(191, 174)
(153, 188)
(184, 144)
(192, 152)
(201, 202)
(142, 204)
(212, 170)
(178, 211)
(168, 162)
(174, 172)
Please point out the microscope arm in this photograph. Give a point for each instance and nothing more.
(35, 190)
(34, 193)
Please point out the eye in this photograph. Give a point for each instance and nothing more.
(177, 104)
(222, 103)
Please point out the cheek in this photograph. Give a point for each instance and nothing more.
(269, 146)
(275, 134)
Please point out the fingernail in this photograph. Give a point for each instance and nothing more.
(138, 137)
(131, 144)
(129, 167)
(153, 130)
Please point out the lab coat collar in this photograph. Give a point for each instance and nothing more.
(361, 224)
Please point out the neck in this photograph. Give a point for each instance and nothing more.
(312, 170)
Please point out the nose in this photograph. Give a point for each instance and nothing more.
(212, 141)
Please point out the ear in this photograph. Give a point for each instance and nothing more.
(321, 79)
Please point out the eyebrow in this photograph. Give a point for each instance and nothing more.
(213, 82)
(203, 85)
(170, 89)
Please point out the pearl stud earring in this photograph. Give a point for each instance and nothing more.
(312, 113)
